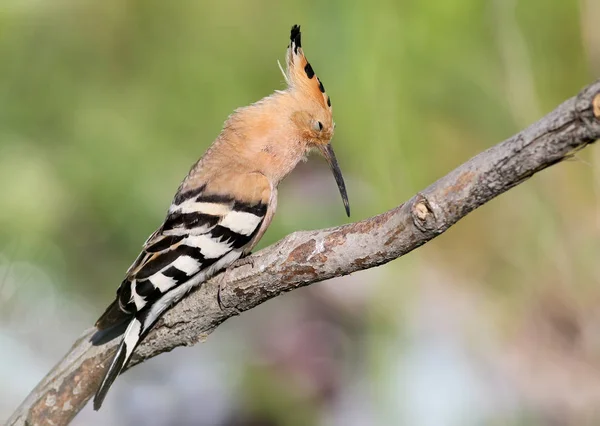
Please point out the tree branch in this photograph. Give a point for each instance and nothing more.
(303, 258)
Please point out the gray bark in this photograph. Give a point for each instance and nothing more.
(306, 257)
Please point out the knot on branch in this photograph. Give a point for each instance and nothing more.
(422, 214)
(596, 106)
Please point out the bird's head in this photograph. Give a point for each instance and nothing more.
(311, 114)
(272, 135)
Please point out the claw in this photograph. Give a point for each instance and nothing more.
(246, 260)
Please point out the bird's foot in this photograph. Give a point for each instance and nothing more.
(246, 260)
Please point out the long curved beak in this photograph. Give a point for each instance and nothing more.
(329, 155)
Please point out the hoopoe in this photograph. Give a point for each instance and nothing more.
(225, 204)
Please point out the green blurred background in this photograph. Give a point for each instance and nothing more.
(105, 105)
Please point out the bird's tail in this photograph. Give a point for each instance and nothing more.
(130, 340)
(112, 316)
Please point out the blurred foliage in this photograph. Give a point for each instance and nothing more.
(105, 105)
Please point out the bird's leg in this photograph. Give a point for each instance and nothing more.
(219, 299)
(246, 259)
(220, 283)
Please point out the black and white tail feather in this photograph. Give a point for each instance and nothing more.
(202, 234)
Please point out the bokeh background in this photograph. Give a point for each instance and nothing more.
(105, 105)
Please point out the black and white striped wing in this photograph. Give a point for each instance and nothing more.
(201, 235)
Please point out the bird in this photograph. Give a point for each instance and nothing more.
(224, 205)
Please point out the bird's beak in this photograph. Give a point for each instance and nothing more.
(329, 155)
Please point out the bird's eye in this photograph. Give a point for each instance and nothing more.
(318, 126)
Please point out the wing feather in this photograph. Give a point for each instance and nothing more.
(207, 228)
(201, 227)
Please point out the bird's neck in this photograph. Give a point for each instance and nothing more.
(261, 139)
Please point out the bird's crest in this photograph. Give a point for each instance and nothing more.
(300, 74)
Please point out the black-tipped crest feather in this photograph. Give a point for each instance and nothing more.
(296, 38)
